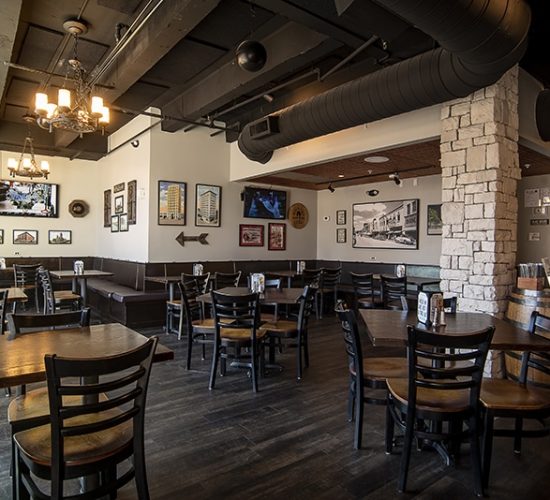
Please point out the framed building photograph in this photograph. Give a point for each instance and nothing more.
(123, 222)
(119, 204)
(60, 237)
(208, 201)
(1, 236)
(435, 225)
(251, 235)
(25, 237)
(386, 224)
(172, 200)
(341, 236)
(340, 217)
(107, 208)
(115, 223)
(277, 236)
(131, 207)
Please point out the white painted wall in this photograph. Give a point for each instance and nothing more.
(195, 157)
(428, 190)
(77, 179)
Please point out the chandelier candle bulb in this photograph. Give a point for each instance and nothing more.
(12, 163)
(27, 163)
(41, 103)
(97, 106)
(104, 118)
(50, 109)
(64, 99)
(45, 166)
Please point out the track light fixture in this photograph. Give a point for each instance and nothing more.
(395, 177)
(330, 188)
(373, 192)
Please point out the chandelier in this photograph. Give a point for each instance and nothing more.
(76, 111)
(27, 166)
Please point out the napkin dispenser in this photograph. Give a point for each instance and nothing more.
(257, 283)
(197, 269)
(78, 267)
(2, 263)
(430, 308)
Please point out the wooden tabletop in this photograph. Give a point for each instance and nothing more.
(285, 273)
(88, 273)
(164, 279)
(23, 357)
(271, 295)
(15, 294)
(390, 328)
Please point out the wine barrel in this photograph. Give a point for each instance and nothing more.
(521, 303)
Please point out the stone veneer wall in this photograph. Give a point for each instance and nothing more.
(480, 169)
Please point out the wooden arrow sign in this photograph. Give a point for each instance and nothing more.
(201, 238)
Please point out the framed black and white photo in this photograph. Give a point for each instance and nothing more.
(340, 217)
(107, 208)
(386, 224)
(119, 204)
(1, 236)
(117, 188)
(63, 237)
(208, 200)
(132, 202)
(115, 223)
(123, 222)
(435, 225)
(25, 237)
(341, 236)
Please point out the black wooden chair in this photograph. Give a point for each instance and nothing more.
(223, 280)
(438, 391)
(3, 310)
(367, 375)
(59, 299)
(312, 278)
(26, 277)
(296, 331)
(237, 320)
(526, 398)
(174, 306)
(392, 289)
(363, 291)
(88, 435)
(330, 279)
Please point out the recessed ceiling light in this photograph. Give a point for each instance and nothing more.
(526, 165)
(341, 175)
(377, 159)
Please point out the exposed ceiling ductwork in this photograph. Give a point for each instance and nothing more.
(480, 40)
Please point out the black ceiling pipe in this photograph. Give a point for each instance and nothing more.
(542, 114)
(480, 40)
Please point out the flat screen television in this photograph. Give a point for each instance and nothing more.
(264, 203)
(31, 199)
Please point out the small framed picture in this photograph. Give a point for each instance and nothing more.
(60, 237)
(115, 223)
(341, 217)
(117, 188)
(1, 236)
(208, 205)
(434, 225)
(123, 222)
(25, 237)
(341, 235)
(251, 235)
(172, 200)
(119, 204)
(277, 236)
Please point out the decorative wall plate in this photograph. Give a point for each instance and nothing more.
(298, 215)
(79, 208)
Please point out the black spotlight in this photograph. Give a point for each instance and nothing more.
(373, 192)
(330, 188)
(251, 55)
(395, 178)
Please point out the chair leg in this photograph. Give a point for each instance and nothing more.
(406, 456)
(517, 435)
(141, 473)
(214, 367)
(359, 409)
(20, 491)
(487, 446)
(189, 346)
(390, 427)
(306, 349)
(253, 366)
(476, 455)
(351, 400)
(299, 356)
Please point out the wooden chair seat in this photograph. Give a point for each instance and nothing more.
(500, 394)
(283, 327)
(380, 369)
(174, 303)
(65, 295)
(239, 334)
(36, 444)
(206, 325)
(433, 400)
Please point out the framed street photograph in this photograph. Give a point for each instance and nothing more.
(277, 236)
(435, 225)
(386, 224)
(107, 208)
(131, 204)
(1, 236)
(341, 236)
(25, 237)
(340, 217)
(123, 222)
(251, 235)
(172, 200)
(60, 237)
(208, 201)
(119, 204)
(115, 223)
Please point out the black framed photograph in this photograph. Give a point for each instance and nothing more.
(25, 237)
(435, 224)
(277, 236)
(386, 224)
(251, 235)
(115, 223)
(341, 236)
(208, 201)
(64, 237)
(340, 217)
(123, 222)
(107, 208)
(132, 202)
(117, 188)
(119, 204)
(1, 236)
(172, 201)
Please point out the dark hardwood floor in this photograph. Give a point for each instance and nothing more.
(292, 439)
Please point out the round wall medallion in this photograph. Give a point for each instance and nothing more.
(298, 215)
(78, 208)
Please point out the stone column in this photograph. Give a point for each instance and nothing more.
(480, 169)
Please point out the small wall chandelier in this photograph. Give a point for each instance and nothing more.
(78, 111)
(27, 166)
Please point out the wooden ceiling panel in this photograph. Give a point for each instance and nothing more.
(39, 47)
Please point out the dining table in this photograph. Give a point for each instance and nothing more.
(15, 294)
(389, 328)
(284, 296)
(79, 280)
(169, 281)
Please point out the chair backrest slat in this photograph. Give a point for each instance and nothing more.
(537, 361)
(393, 288)
(202, 280)
(27, 323)
(352, 340)
(363, 285)
(26, 274)
(236, 312)
(222, 280)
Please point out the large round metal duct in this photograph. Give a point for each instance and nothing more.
(480, 40)
(542, 114)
